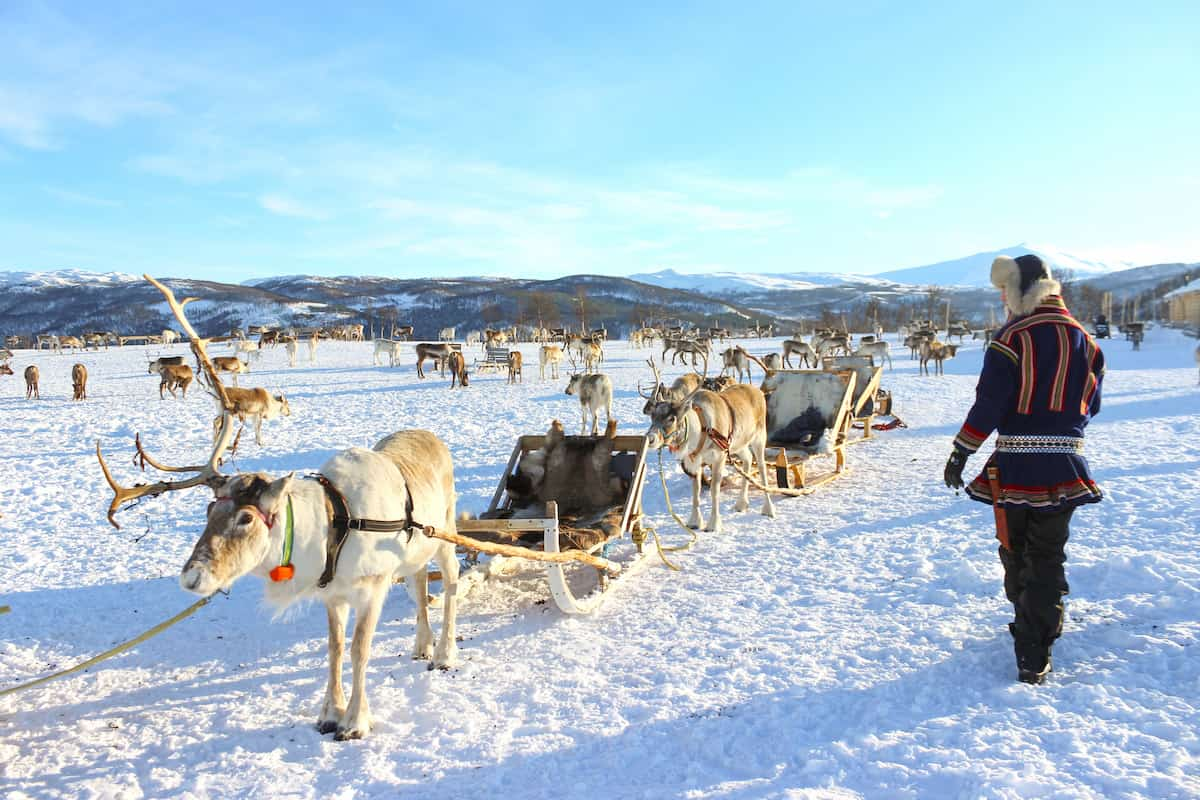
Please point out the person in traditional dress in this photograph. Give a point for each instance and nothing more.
(1038, 389)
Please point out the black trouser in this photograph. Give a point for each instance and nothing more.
(1034, 578)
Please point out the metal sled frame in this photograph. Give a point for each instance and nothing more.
(791, 463)
(518, 530)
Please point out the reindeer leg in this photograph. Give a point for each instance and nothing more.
(760, 453)
(743, 501)
(446, 655)
(258, 429)
(418, 589)
(695, 521)
(356, 723)
(714, 519)
(334, 706)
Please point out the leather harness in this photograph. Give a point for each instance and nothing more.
(342, 523)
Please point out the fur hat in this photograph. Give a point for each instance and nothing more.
(1025, 280)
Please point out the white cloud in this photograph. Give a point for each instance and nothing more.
(80, 198)
(287, 207)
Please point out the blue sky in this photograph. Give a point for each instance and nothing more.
(204, 140)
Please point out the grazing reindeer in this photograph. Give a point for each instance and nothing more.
(736, 358)
(595, 392)
(440, 353)
(878, 350)
(707, 427)
(231, 364)
(773, 362)
(796, 347)
(5, 369)
(458, 369)
(403, 332)
(31, 383)
(514, 366)
(257, 404)
(168, 336)
(172, 377)
(388, 347)
(79, 382)
(937, 352)
(407, 477)
(446, 335)
(550, 354)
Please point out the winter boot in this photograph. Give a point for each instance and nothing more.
(1033, 665)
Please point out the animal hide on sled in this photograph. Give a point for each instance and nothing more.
(574, 471)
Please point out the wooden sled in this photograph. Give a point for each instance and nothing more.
(866, 388)
(793, 393)
(540, 527)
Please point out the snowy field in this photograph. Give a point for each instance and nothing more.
(853, 647)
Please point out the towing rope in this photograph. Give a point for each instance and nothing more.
(121, 648)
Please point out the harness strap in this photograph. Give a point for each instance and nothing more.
(342, 523)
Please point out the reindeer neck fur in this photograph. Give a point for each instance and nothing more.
(374, 487)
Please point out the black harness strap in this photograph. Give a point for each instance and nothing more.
(342, 523)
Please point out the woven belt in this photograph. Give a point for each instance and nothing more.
(1071, 445)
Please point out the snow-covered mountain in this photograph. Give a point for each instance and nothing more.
(974, 270)
(730, 283)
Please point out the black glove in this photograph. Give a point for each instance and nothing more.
(954, 468)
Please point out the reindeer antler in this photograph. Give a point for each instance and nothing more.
(205, 473)
(657, 382)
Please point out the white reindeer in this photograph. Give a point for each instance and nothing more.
(446, 335)
(878, 350)
(387, 347)
(407, 477)
(595, 392)
(552, 355)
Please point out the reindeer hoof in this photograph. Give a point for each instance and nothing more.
(346, 734)
(326, 726)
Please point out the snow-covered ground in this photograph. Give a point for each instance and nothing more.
(853, 647)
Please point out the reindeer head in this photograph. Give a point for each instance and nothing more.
(284, 409)
(237, 533)
(573, 383)
(668, 423)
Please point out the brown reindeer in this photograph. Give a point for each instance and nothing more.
(31, 383)
(514, 366)
(257, 404)
(174, 376)
(440, 353)
(937, 352)
(5, 369)
(706, 428)
(231, 364)
(458, 369)
(79, 382)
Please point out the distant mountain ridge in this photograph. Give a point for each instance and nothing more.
(71, 300)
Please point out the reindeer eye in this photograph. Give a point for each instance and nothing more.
(244, 519)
